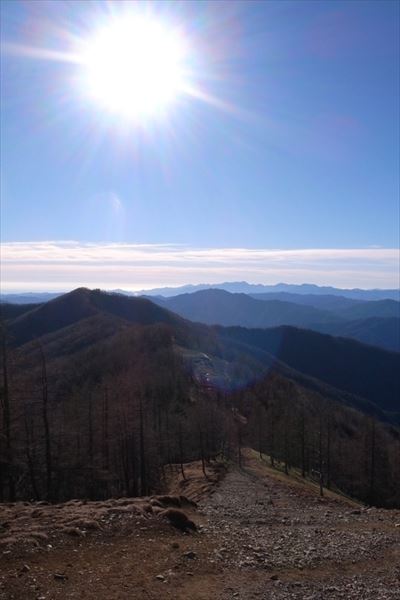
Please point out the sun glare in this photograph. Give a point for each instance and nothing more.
(134, 67)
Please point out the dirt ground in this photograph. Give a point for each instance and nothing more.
(262, 535)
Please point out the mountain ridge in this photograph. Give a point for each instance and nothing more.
(81, 304)
(83, 317)
(230, 286)
(376, 322)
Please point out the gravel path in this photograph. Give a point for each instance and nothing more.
(262, 537)
(305, 547)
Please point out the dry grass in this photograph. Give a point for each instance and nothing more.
(194, 486)
(294, 478)
(37, 525)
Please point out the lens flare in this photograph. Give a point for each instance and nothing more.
(133, 67)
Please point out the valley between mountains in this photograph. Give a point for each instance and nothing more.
(261, 535)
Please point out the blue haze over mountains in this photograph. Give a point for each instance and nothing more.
(344, 370)
(374, 322)
(280, 290)
(306, 288)
(368, 316)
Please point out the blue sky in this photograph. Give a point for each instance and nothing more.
(294, 145)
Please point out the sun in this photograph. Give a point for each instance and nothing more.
(133, 67)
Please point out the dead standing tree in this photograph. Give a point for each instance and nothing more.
(46, 425)
(7, 463)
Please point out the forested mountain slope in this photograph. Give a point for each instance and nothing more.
(12, 311)
(345, 364)
(321, 301)
(374, 322)
(220, 307)
(111, 389)
(81, 304)
(381, 332)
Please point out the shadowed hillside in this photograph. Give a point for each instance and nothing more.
(81, 304)
(365, 310)
(321, 301)
(381, 332)
(348, 365)
(12, 311)
(220, 307)
(374, 322)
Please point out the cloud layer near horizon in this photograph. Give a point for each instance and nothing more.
(63, 265)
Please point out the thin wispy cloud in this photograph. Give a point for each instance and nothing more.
(56, 265)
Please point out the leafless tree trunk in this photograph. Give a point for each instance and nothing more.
(320, 458)
(143, 470)
(29, 452)
(272, 437)
(90, 430)
(303, 441)
(180, 442)
(203, 463)
(7, 421)
(239, 444)
(260, 429)
(123, 447)
(105, 443)
(372, 459)
(328, 452)
(45, 416)
(286, 444)
(167, 440)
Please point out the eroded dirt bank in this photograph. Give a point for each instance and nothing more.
(261, 536)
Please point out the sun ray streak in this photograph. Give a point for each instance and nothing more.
(36, 52)
(134, 66)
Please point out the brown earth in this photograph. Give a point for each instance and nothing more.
(262, 535)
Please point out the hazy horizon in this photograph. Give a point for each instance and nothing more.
(58, 266)
(127, 289)
(273, 158)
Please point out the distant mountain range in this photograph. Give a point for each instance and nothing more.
(376, 322)
(242, 287)
(220, 307)
(29, 297)
(101, 324)
(281, 291)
